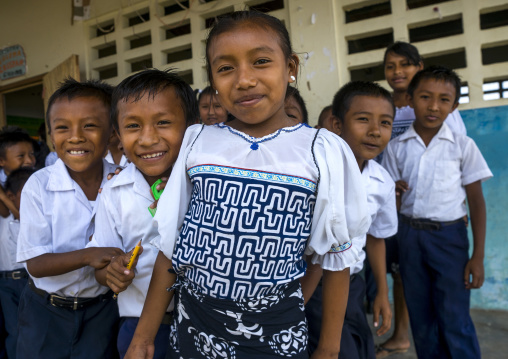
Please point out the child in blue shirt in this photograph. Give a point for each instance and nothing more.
(64, 312)
(435, 171)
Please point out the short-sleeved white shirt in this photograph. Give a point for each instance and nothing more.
(295, 157)
(405, 116)
(381, 202)
(9, 229)
(437, 174)
(123, 160)
(121, 220)
(3, 177)
(55, 217)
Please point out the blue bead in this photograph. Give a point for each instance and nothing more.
(254, 146)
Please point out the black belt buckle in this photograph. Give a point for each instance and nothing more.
(52, 298)
(424, 225)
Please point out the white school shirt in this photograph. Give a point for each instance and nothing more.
(55, 217)
(436, 174)
(340, 212)
(405, 116)
(123, 160)
(382, 208)
(3, 177)
(121, 220)
(9, 229)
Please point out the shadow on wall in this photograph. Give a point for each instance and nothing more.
(489, 129)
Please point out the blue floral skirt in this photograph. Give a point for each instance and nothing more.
(273, 326)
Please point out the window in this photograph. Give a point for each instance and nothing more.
(436, 31)
(108, 72)
(106, 50)
(370, 43)
(494, 90)
(452, 60)
(179, 55)
(268, 6)
(372, 73)
(494, 19)
(368, 12)
(141, 64)
(171, 9)
(495, 54)
(138, 18)
(413, 4)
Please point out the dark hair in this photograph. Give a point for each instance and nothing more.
(230, 21)
(438, 73)
(208, 90)
(320, 118)
(343, 98)
(151, 82)
(11, 135)
(293, 92)
(405, 49)
(17, 179)
(71, 89)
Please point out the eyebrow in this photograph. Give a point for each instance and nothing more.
(252, 51)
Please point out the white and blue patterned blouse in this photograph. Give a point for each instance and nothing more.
(239, 212)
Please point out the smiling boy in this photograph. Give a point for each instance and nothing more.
(151, 111)
(65, 312)
(436, 171)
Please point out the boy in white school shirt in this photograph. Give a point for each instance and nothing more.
(363, 116)
(65, 313)
(436, 170)
(151, 111)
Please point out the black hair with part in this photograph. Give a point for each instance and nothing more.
(294, 93)
(208, 90)
(343, 98)
(406, 50)
(70, 89)
(229, 22)
(437, 73)
(151, 82)
(321, 118)
(17, 179)
(11, 135)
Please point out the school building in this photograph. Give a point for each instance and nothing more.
(42, 42)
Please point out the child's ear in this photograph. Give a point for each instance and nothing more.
(294, 63)
(409, 100)
(455, 106)
(420, 66)
(336, 125)
(2, 162)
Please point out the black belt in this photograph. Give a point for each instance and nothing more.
(73, 303)
(14, 274)
(427, 224)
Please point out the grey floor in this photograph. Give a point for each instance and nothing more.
(491, 327)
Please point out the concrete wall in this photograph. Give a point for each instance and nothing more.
(489, 128)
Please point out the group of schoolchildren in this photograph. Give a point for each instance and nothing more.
(255, 247)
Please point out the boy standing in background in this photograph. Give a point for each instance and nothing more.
(435, 171)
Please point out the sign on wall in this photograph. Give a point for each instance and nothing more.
(12, 62)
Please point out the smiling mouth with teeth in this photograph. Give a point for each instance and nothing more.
(158, 154)
(77, 152)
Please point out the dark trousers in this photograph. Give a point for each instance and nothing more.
(356, 341)
(46, 331)
(10, 293)
(432, 266)
(128, 327)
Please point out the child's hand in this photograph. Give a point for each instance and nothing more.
(382, 308)
(474, 268)
(111, 175)
(99, 257)
(159, 187)
(324, 354)
(118, 277)
(140, 349)
(401, 187)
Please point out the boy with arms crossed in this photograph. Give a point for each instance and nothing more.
(436, 171)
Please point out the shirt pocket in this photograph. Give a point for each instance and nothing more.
(446, 182)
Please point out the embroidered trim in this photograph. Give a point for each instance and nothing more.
(341, 248)
(256, 141)
(314, 159)
(251, 174)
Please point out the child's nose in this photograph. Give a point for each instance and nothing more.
(148, 136)
(245, 78)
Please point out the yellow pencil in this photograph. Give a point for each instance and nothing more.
(131, 260)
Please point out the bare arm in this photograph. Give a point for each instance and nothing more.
(478, 214)
(376, 253)
(335, 296)
(115, 275)
(310, 280)
(6, 205)
(51, 264)
(156, 304)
